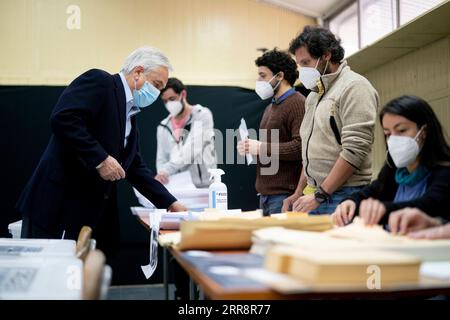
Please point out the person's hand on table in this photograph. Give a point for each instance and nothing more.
(306, 203)
(288, 203)
(344, 213)
(442, 232)
(249, 146)
(110, 170)
(162, 177)
(409, 220)
(177, 207)
(371, 211)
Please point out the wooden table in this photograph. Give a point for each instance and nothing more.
(214, 291)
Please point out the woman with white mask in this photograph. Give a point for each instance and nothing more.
(416, 173)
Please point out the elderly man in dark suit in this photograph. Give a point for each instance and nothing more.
(94, 144)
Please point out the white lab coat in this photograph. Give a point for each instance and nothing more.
(195, 150)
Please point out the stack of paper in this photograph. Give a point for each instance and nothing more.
(353, 237)
(236, 233)
(344, 267)
(349, 258)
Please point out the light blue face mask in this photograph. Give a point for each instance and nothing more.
(146, 95)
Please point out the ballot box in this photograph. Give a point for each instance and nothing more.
(36, 247)
(42, 278)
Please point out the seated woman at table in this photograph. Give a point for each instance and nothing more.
(417, 224)
(416, 173)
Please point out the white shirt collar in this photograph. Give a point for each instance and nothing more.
(128, 94)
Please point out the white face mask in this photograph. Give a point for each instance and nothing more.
(309, 76)
(403, 150)
(264, 89)
(174, 107)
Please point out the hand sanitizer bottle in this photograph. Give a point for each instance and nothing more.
(218, 193)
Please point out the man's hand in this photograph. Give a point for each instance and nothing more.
(249, 146)
(162, 177)
(371, 211)
(344, 213)
(288, 203)
(410, 219)
(177, 207)
(306, 203)
(111, 170)
(442, 232)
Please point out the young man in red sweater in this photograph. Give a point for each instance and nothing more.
(277, 72)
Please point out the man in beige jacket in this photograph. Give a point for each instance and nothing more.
(337, 131)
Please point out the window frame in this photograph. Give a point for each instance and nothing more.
(396, 17)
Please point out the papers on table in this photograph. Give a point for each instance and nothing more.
(171, 220)
(180, 181)
(243, 132)
(437, 270)
(235, 232)
(168, 220)
(181, 187)
(348, 239)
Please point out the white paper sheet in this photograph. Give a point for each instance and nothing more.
(155, 219)
(180, 181)
(438, 270)
(181, 187)
(243, 132)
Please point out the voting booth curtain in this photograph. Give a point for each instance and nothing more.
(25, 128)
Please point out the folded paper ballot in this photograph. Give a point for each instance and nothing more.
(236, 233)
(343, 267)
(243, 132)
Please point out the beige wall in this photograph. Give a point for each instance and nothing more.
(425, 73)
(208, 41)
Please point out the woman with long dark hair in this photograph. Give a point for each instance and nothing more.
(416, 173)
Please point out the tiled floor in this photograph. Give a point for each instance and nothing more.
(140, 292)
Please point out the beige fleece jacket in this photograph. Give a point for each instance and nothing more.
(340, 122)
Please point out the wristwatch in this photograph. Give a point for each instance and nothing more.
(321, 196)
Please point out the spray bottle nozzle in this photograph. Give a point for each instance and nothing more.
(216, 174)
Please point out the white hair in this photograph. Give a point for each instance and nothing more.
(147, 57)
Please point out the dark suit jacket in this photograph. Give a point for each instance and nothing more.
(65, 191)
